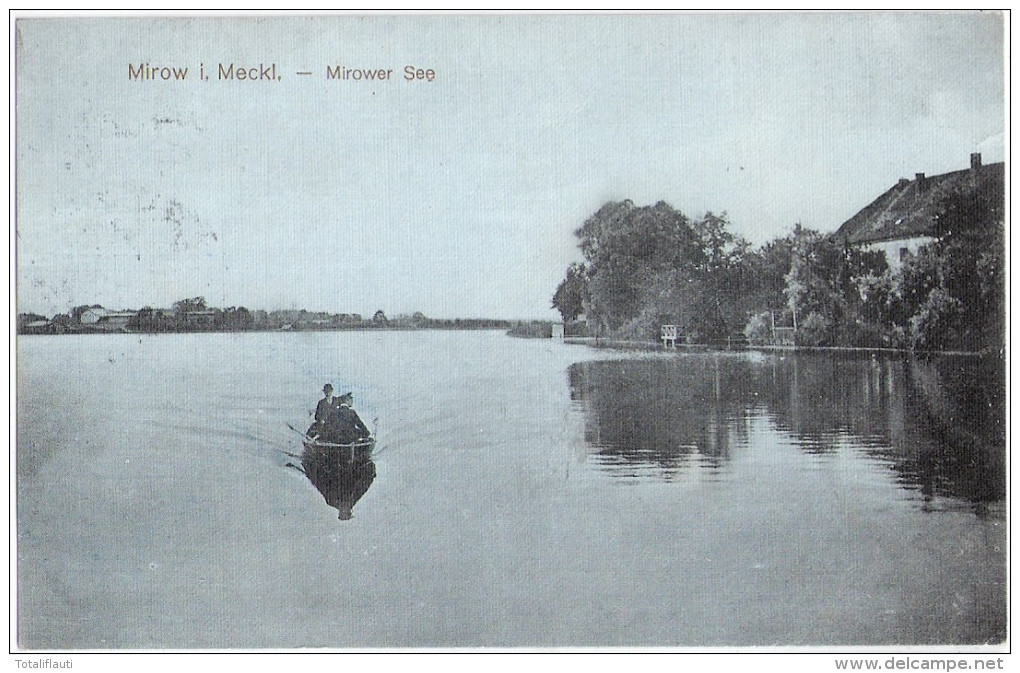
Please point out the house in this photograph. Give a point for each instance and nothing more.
(115, 321)
(112, 321)
(198, 318)
(903, 219)
(91, 316)
(41, 327)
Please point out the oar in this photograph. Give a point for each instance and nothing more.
(321, 443)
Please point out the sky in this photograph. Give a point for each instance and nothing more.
(459, 197)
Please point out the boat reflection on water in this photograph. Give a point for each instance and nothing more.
(341, 479)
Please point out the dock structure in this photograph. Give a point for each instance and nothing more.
(784, 336)
(669, 336)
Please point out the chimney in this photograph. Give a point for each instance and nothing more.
(922, 183)
(975, 161)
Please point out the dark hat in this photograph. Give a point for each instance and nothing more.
(328, 386)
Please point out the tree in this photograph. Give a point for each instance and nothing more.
(758, 330)
(26, 318)
(188, 305)
(572, 292)
(234, 318)
(973, 260)
(721, 286)
(380, 318)
(766, 268)
(612, 297)
(822, 282)
(938, 322)
(639, 261)
(951, 294)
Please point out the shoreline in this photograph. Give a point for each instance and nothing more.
(594, 342)
(637, 345)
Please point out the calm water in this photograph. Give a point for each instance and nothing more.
(523, 493)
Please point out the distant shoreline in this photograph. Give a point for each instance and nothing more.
(388, 328)
(195, 315)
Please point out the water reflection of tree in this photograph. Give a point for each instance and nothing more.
(819, 398)
(956, 419)
(661, 412)
(939, 423)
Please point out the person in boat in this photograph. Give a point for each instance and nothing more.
(349, 426)
(323, 411)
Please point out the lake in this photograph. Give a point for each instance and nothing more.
(523, 493)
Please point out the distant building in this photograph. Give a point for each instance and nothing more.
(90, 316)
(101, 318)
(115, 321)
(198, 318)
(903, 219)
(41, 327)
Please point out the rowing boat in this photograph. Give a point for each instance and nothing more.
(353, 451)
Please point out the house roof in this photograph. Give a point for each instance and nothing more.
(908, 208)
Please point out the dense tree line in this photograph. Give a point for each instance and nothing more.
(645, 266)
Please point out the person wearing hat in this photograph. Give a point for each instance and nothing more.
(323, 411)
(350, 426)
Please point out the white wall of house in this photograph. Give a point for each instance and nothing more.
(92, 315)
(897, 249)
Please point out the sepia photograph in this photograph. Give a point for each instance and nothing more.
(504, 332)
